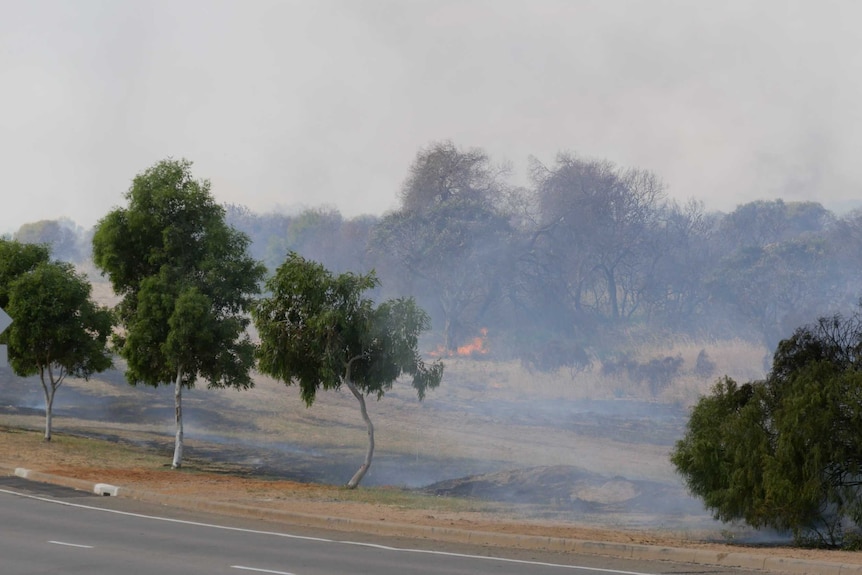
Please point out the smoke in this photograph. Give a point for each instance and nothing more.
(305, 103)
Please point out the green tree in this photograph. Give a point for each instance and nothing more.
(16, 259)
(58, 331)
(721, 455)
(785, 452)
(186, 283)
(318, 331)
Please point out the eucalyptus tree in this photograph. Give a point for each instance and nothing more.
(186, 282)
(457, 254)
(442, 172)
(319, 331)
(676, 292)
(451, 237)
(599, 223)
(58, 331)
(16, 259)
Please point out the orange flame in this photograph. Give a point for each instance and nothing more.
(477, 346)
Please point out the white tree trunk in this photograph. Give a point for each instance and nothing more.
(49, 400)
(49, 407)
(178, 404)
(363, 469)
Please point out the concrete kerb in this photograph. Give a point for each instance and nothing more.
(507, 540)
(79, 484)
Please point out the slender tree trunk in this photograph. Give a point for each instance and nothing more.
(612, 293)
(49, 401)
(178, 403)
(363, 469)
(49, 413)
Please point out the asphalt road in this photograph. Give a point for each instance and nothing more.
(49, 529)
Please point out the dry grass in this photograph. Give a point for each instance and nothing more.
(469, 379)
(735, 358)
(131, 464)
(480, 412)
(22, 446)
(486, 416)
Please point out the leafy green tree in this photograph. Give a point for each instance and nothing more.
(186, 283)
(785, 452)
(58, 330)
(16, 259)
(318, 331)
(721, 455)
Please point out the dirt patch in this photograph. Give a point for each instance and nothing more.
(563, 487)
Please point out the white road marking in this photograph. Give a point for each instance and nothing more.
(322, 540)
(71, 544)
(259, 570)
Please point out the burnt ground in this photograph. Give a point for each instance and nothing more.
(144, 416)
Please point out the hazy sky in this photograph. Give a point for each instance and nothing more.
(306, 103)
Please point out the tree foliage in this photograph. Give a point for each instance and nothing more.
(599, 223)
(442, 172)
(63, 237)
(58, 331)
(588, 254)
(785, 452)
(186, 283)
(16, 259)
(761, 223)
(317, 330)
(451, 238)
(457, 252)
(777, 286)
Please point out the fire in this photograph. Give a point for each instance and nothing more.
(477, 346)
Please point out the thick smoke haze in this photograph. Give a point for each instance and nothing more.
(287, 104)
